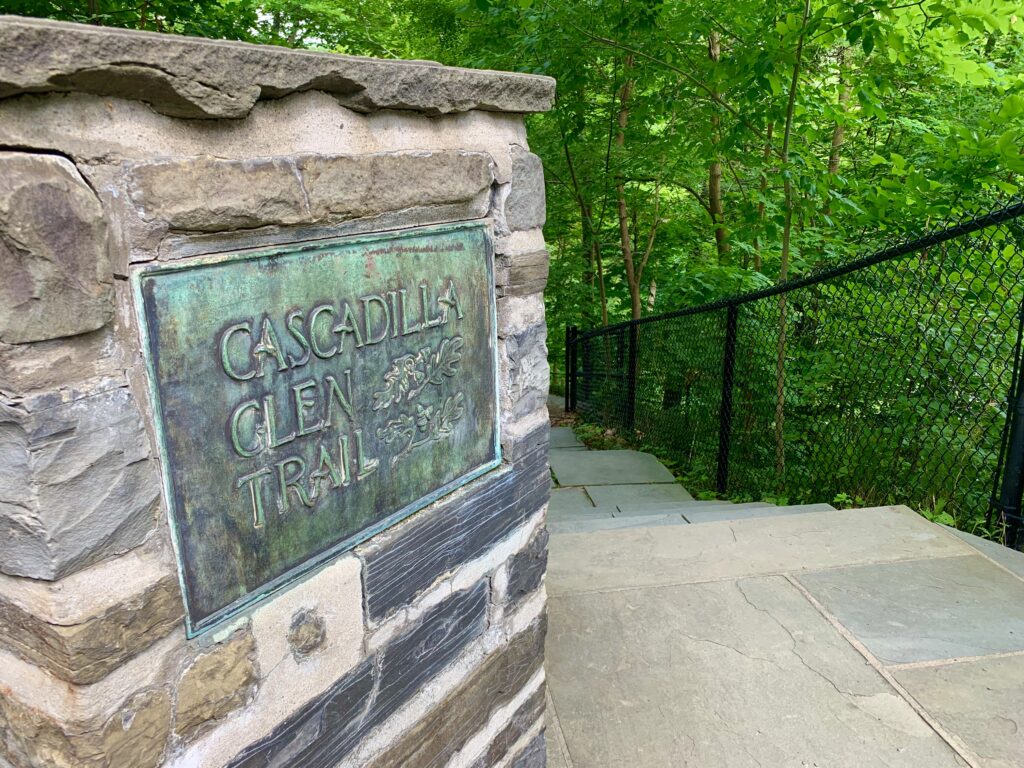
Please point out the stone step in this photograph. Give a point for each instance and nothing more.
(661, 508)
(564, 437)
(743, 512)
(614, 523)
(573, 468)
(641, 495)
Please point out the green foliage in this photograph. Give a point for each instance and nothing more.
(893, 116)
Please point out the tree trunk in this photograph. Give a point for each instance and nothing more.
(835, 154)
(787, 232)
(764, 193)
(625, 240)
(715, 204)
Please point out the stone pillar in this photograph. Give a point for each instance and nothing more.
(421, 645)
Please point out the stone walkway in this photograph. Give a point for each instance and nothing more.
(688, 633)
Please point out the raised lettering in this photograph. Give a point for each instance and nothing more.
(225, 357)
(236, 430)
(313, 315)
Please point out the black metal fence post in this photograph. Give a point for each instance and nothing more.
(1012, 484)
(631, 366)
(725, 409)
(571, 332)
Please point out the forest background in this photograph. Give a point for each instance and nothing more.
(701, 149)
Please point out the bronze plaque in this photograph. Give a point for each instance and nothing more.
(308, 397)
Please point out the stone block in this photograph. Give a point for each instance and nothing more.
(76, 481)
(194, 78)
(522, 275)
(435, 739)
(134, 737)
(356, 186)
(409, 558)
(206, 194)
(526, 569)
(216, 683)
(517, 313)
(54, 364)
(327, 729)
(524, 372)
(85, 626)
(525, 206)
(523, 719)
(57, 279)
(534, 755)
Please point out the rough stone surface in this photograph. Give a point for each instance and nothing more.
(522, 720)
(443, 732)
(288, 684)
(525, 372)
(925, 610)
(209, 195)
(980, 701)
(607, 468)
(134, 737)
(522, 275)
(57, 279)
(42, 365)
(525, 207)
(189, 77)
(356, 186)
(728, 673)
(76, 480)
(518, 313)
(320, 734)
(218, 682)
(89, 647)
(307, 633)
(730, 549)
(407, 559)
(533, 756)
(527, 567)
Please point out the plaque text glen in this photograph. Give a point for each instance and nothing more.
(306, 398)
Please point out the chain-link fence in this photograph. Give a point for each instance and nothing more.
(891, 379)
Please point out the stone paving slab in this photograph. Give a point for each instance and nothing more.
(746, 511)
(572, 525)
(731, 674)
(730, 549)
(568, 500)
(1008, 558)
(607, 468)
(981, 702)
(927, 609)
(564, 437)
(637, 496)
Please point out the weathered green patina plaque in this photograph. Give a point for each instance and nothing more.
(308, 397)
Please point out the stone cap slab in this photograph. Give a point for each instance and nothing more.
(198, 78)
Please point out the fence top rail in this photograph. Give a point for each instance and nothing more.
(993, 218)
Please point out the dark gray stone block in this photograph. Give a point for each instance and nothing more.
(534, 756)
(404, 561)
(328, 728)
(528, 566)
(522, 720)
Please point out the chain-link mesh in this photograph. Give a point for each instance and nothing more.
(884, 381)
